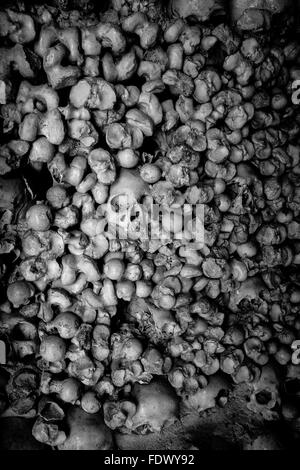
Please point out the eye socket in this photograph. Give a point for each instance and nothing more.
(142, 429)
(263, 397)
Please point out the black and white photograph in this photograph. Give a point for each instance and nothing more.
(149, 228)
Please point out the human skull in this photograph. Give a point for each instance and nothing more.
(264, 394)
(86, 431)
(157, 406)
(126, 217)
(206, 397)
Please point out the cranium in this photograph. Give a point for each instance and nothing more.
(206, 397)
(265, 393)
(86, 431)
(157, 406)
(153, 406)
(124, 214)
